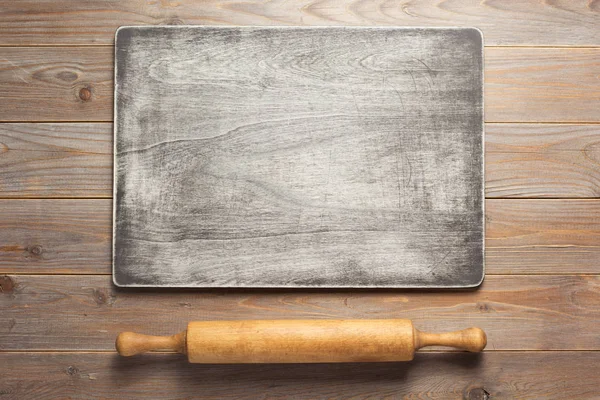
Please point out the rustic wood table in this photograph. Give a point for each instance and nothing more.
(539, 304)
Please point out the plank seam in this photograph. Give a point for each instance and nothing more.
(18, 273)
(493, 46)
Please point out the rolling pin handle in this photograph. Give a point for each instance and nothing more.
(471, 339)
(130, 344)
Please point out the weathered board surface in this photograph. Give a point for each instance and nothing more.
(542, 160)
(56, 160)
(523, 236)
(522, 85)
(448, 376)
(298, 157)
(92, 22)
(561, 85)
(74, 160)
(43, 312)
(55, 84)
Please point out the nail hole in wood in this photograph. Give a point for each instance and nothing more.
(36, 250)
(99, 297)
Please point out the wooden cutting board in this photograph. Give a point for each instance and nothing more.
(298, 157)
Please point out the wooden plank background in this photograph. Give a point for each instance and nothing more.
(521, 84)
(59, 312)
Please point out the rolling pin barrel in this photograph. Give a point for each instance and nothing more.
(299, 341)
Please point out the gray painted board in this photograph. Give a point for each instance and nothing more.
(298, 157)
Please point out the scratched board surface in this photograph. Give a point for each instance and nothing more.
(298, 157)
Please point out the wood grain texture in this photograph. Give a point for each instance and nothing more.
(55, 235)
(37, 84)
(542, 236)
(523, 236)
(522, 160)
(562, 22)
(531, 160)
(497, 375)
(43, 312)
(300, 157)
(522, 85)
(56, 160)
(542, 85)
(55, 84)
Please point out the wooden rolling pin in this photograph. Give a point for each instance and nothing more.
(299, 341)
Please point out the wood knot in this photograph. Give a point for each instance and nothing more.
(85, 93)
(174, 21)
(36, 250)
(102, 298)
(7, 285)
(67, 76)
(478, 394)
(71, 370)
(484, 307)
(99, 297)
